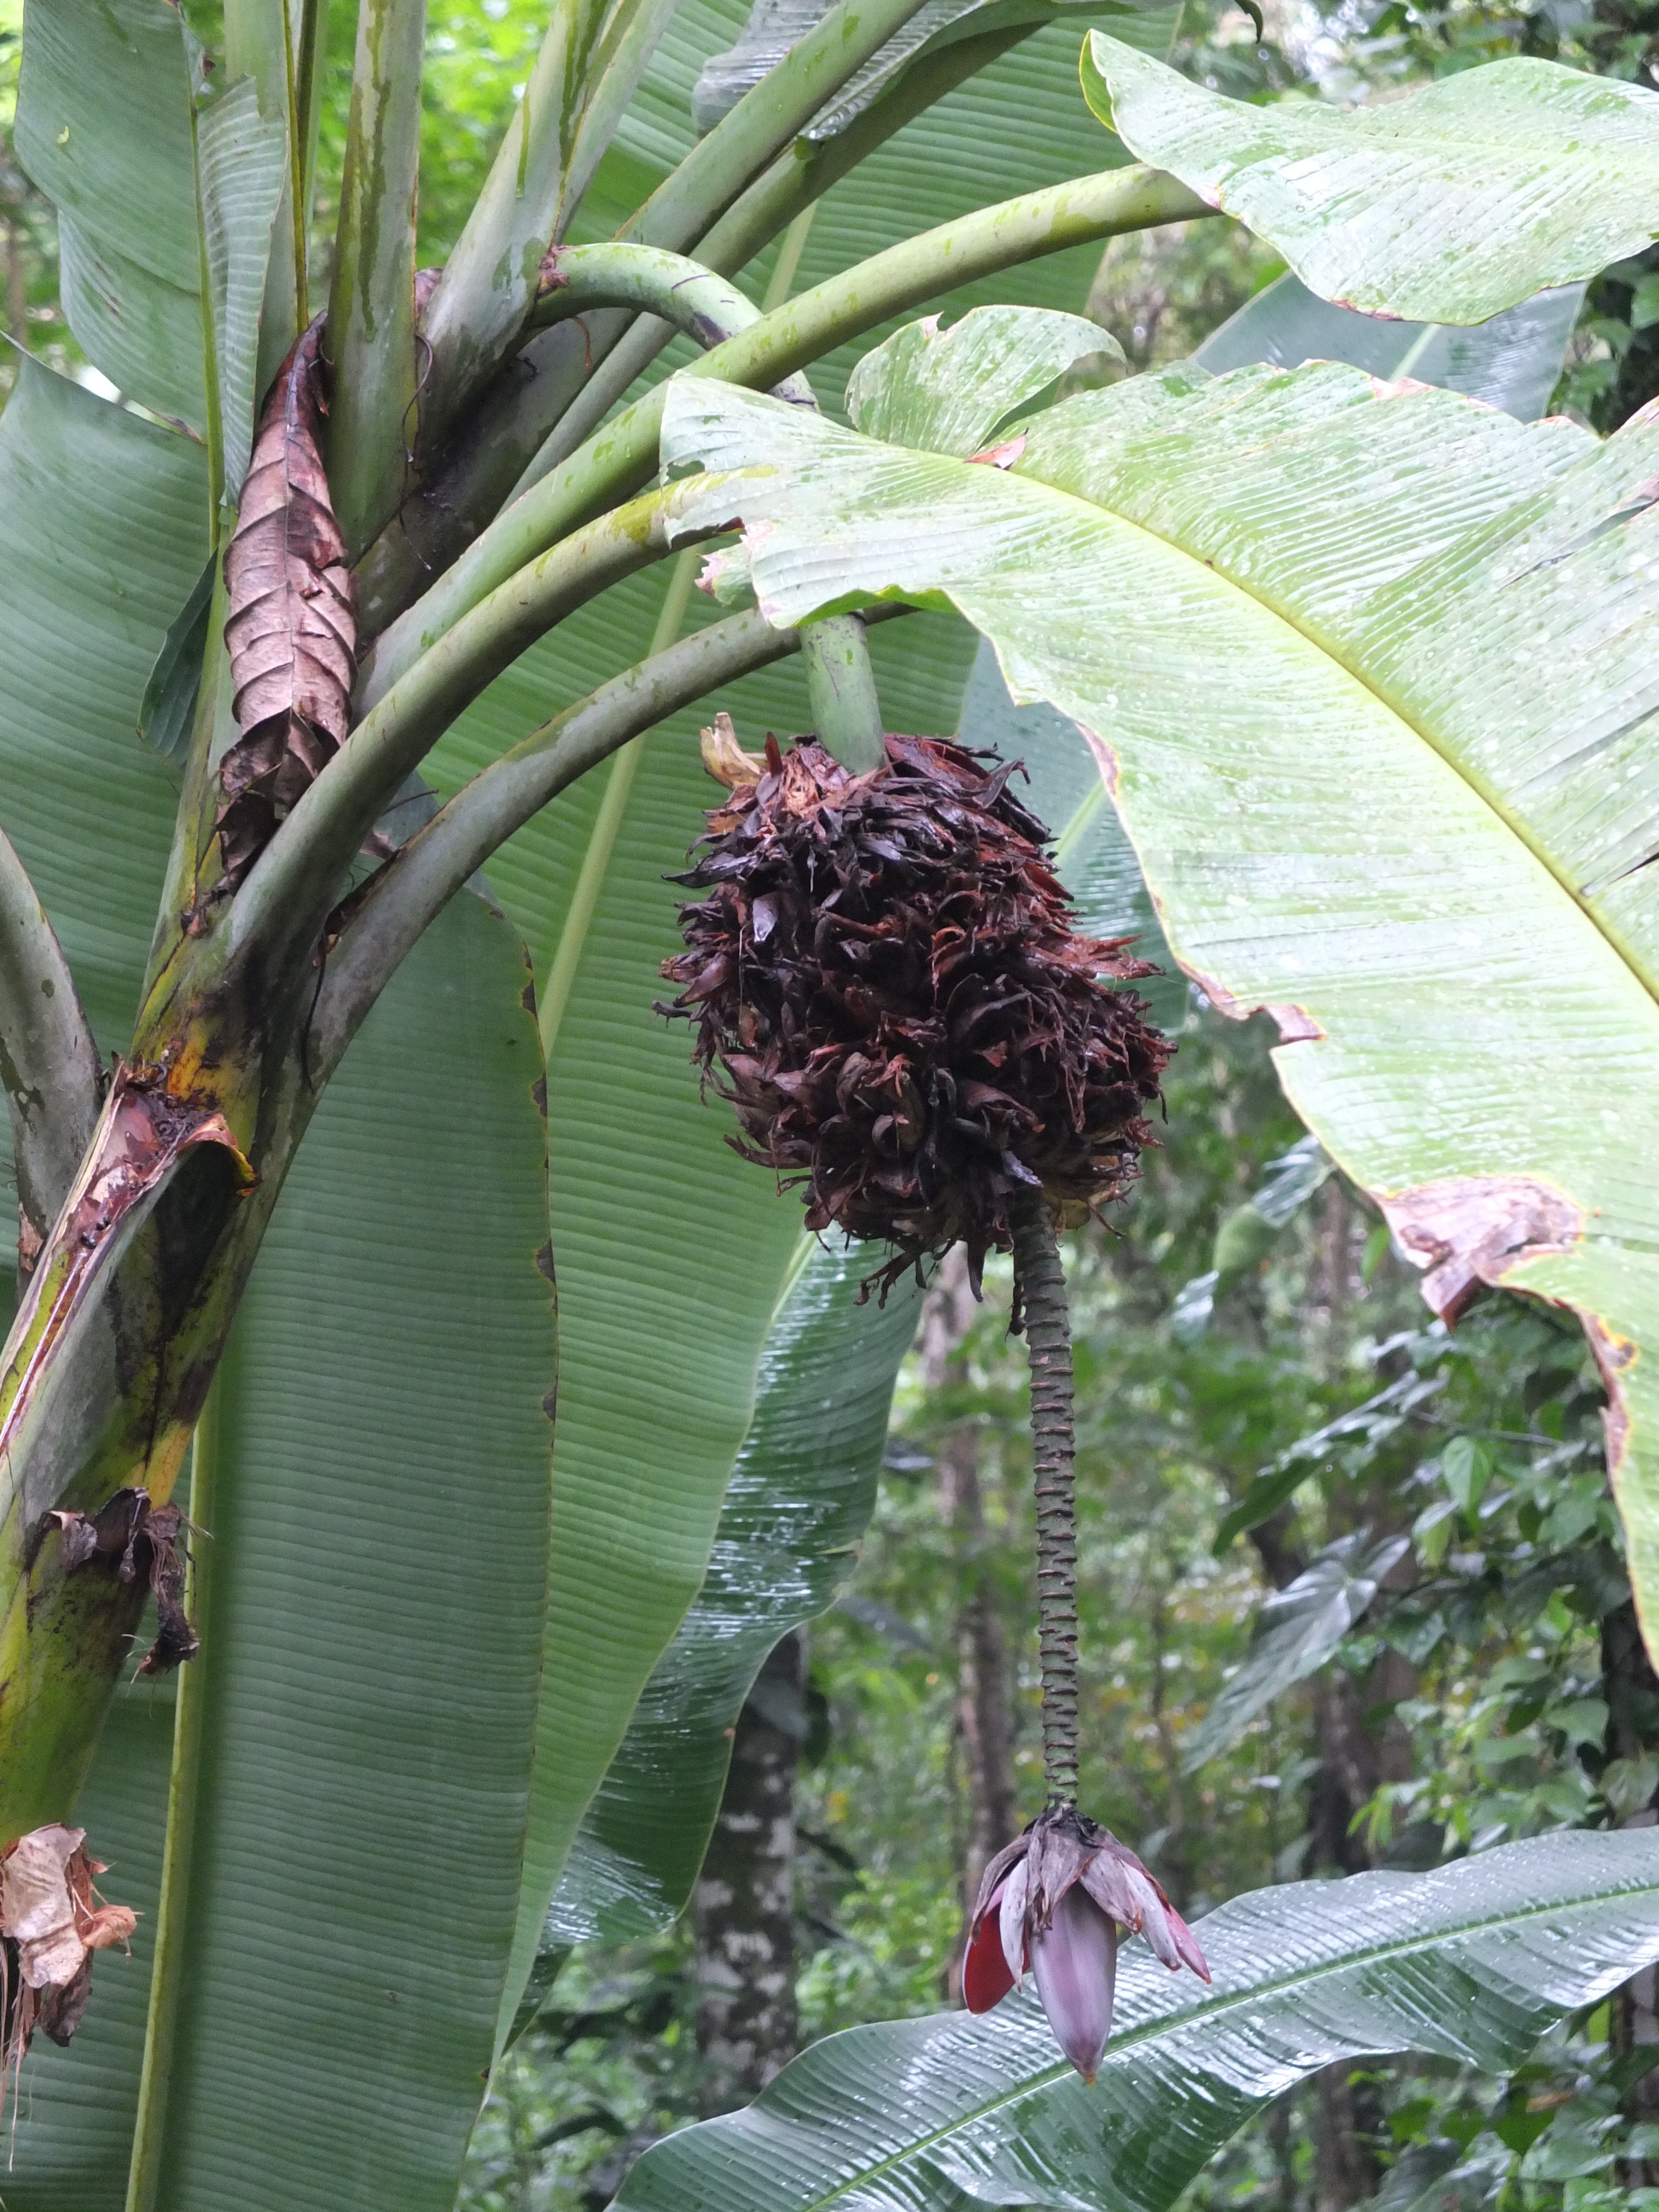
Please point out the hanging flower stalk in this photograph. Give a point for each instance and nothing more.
(1059, 1899)
(886, 974)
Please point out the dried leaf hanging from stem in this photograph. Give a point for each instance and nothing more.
(292, 629)
(50, 1923)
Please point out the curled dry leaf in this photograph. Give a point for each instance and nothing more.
(292, 630)
(724, 758)
(36, 1908)
(50, 1923)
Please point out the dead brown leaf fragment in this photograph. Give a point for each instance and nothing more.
(725, 759)
(1476, 1229)
(292, 629)
(50, 1923)
(134, 1541)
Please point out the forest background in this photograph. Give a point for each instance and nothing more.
(1352, 1588)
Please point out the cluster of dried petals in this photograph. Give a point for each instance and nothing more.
(884, 971)
(51, 1923)
(1059, 1900)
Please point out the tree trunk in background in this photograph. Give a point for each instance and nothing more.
(1353, 1756)
(1346, 2169)
(983, 1712)
(984, 1726)
(741, 1908)
(1348, 1774)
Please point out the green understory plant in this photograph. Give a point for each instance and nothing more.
(307, 1118)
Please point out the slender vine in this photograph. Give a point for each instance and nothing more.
(1040, 1293)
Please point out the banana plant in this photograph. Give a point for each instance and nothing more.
(308, 1116)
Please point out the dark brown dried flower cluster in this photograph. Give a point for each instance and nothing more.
(885, 971)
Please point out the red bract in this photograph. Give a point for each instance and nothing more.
(1059, 1900)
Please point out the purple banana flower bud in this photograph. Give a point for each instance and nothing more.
(1059, 1899)
(1075, 1969)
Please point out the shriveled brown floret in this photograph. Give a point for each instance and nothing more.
(885, 973)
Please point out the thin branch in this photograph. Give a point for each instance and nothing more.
(371, 306)
(53, 1074)
(284, 899)
(617, 460)
(1040, 1286)
(413, 888)
(841, 690)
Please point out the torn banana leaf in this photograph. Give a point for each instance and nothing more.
(1368, 673)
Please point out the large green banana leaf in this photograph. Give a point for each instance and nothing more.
(103, 129)
(1471, 1963)
(372, 1626)
(795, 1512)
(386, 1487)
(376, 1507)
(103, 530)
(1368, 672)
(155, 203)
(1513, 362)
(1447, 205)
